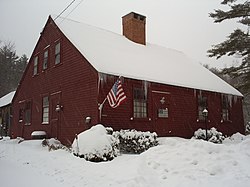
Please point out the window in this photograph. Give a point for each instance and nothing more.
(45, 110)
(57, 53)
(21, 111)
(202, 104)
(225, 108)
(35, 71)
(163, 113)
(45, 59)
(140, 103)
(27, 114)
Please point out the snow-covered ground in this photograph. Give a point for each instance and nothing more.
(175, 162)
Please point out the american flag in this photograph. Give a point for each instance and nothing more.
(116, 95)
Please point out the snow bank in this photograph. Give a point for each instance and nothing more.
(236, 138)
(175, 162)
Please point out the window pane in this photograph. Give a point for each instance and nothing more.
(57, 48)
(225, 114)
(57, 53)
(46, 54)
(140, 103)
(46, 110)
(27, 116)
(45, 59)
(45, 116)
(202, 104)
(35, 71)
(45, 101)
(57, 59)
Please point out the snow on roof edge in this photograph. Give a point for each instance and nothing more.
(7, 99)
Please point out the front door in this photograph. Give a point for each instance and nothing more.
(161, 110)
(55, 108)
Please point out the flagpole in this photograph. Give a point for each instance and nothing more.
(119, 99)
(100, 108)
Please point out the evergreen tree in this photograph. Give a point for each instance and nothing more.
(12, 68)
(18, 69)
(237, 43)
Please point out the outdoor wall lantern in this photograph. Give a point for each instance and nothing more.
(88, 120)
(205, 114)
(58, 108)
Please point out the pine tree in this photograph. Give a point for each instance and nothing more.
(11, 68)
(237, 43)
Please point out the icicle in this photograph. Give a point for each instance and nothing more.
(200, 93)
(195, 93)
(230, 99)
(99, 82)
(145, 88)
(102, 79)
(235, 99)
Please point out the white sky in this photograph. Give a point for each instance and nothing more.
(182, 25)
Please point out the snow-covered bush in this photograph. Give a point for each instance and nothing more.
(212, 135)
(19, 140)
(53, 144)
(132, 141)
(95, 145)
(248, 128)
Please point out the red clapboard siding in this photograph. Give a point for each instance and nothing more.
(183, 110)
(75, 80)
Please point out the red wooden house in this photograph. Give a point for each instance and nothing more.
(74, 66)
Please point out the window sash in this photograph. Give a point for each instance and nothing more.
(27, 116)
(140, 103)
(57, 53)
(45, 117)
(225, 108)
(21, 112)
(202, 104)
(200, 113)
(225, 114)
(35, 65)
(45, 101)
(27, 112)
(45, 59)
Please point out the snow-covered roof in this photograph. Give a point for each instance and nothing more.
(114, 54)
(7, 99)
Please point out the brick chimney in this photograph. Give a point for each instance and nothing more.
(134, 27)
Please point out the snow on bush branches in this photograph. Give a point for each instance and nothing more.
(212, 135)
(132, 141)
(95, 145)
(102, 144)
(248, 127)
(53, 144)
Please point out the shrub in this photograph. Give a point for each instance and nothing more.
(95, 145)
(212, 135)
(248, 128)
(132, 141)
(53, 144)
